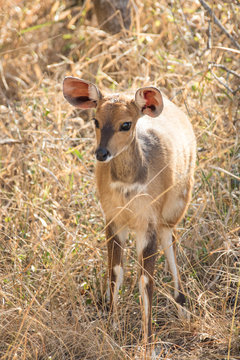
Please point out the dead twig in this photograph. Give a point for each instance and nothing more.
(51, 173)
(211, 65)
(209, 42)
(218, 23)
(9, 141)
(224, 68)
(223, 83)
(227, 49)
(225, 172)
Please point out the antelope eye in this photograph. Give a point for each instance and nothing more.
(96, 123)
(125, 126)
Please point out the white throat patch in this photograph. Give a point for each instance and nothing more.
(125, 188)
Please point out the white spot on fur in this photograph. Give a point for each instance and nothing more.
(141, 242)
(143, 281)
(166, 242)
(173, 206)
(118, 270)
(125, 188)
(122, 235)
(184, 192)
(181, 203)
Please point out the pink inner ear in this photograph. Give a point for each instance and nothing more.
(150, 98)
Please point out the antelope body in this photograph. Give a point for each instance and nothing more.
(146, 157)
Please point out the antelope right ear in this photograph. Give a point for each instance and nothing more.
(80, 93)
(149, 100)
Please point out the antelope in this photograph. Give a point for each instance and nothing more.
(144, 174)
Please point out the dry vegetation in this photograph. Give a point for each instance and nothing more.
(53, 252)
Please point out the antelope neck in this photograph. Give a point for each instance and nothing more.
(130, 166)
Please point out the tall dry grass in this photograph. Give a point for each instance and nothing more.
(53, 254)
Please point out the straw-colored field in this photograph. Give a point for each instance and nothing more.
(53, 257)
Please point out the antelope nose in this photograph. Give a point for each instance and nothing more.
(102, 154)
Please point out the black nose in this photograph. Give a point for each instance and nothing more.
(102, 154)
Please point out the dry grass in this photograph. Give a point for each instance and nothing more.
(53, 254)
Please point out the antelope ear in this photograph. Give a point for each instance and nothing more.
(80, 93)
(149, 101)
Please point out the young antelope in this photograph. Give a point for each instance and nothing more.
(145, 165)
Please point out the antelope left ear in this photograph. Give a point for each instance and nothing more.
(149, 100)
(80, 93)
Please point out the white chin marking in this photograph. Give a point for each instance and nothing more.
(118, 270)
(109, 158)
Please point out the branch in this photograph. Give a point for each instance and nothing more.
(217, 22)
(224, 68)
(211, 65)
(9, 141)
(223, 83)
(209, 43)
(225, 171)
